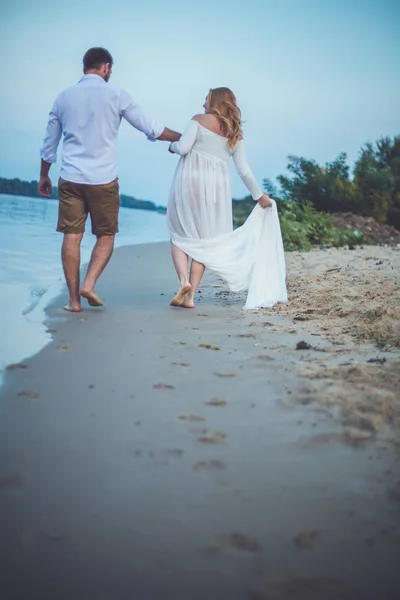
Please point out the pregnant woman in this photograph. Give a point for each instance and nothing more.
(199, 214)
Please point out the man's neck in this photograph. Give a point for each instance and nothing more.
(94, 72)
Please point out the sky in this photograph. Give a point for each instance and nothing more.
(312, 77)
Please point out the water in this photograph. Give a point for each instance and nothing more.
(30, 267)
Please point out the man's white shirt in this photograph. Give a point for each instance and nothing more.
(87, 116)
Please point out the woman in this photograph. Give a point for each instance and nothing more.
(199, 211)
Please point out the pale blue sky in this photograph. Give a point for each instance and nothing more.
(313, 77)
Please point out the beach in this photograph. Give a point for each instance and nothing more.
(30, 267)
(149, 452)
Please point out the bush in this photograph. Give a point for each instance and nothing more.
(302, 226)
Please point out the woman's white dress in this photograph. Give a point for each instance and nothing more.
(199, 219)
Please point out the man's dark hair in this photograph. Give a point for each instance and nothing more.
(95, 58)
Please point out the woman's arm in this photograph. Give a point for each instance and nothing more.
(187, 140)
(242, 167)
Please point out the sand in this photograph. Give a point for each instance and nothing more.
(152, 452)
(352, 300)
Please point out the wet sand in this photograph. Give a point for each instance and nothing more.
(152, 452)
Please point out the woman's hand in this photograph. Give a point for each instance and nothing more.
(264, 201)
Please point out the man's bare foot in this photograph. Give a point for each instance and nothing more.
(179, 299)
(73, 307)
(91, 297)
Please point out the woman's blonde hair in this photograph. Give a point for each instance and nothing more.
(222, 104)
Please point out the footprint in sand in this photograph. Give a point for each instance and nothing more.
(16, 367)
(247, 335)
(53, 537)
(177, 452)
(211, 550)
(64, 347)
(208, 347)
(181, 364)
(13, 481)
(265, 357)
(302, 588)
(191, 417)
(393, 493)
(208, 465)
(217, 402)
(198, 430)
(305, 539)
(241, 541)
(163, 386)
(225, 374)
(213, 437)
(29, 394)
(355, 437)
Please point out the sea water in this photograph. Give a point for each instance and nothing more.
(30, 267)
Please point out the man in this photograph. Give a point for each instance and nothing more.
(88, 116)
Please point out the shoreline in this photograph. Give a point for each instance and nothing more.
(152, 452)
(32, 313)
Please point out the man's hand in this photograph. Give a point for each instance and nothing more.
(168, 135)
(169, 149)
(264, 201)
(45, 188)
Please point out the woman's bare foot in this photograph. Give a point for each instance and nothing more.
(73, 307)
(188, 301)
(180, 297)
(91, 297)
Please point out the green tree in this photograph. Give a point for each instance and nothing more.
(377, 180)
(328, 188)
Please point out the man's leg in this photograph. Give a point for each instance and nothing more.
(72, 214)
(71, 260)
(101, 254)
(103, 202)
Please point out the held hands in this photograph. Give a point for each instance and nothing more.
(169, 149)
(264, 201)
(45, 188)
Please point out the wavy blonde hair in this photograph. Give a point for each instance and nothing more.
(222, 104)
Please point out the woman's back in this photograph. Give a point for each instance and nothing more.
(210, 143)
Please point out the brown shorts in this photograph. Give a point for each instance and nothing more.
(77, 200)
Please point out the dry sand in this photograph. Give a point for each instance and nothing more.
(156, 453)
(352, 299)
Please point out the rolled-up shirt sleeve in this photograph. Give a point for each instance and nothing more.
(134, 114)
(53, 135)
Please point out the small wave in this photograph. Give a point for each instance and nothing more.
(37, 292)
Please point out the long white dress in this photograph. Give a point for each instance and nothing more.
(199, 217)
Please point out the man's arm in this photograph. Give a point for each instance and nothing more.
(49, 152)
(168, 135)
(136, 117)
(45, 187)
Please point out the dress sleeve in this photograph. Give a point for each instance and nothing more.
(187, 140)
(242, 167)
